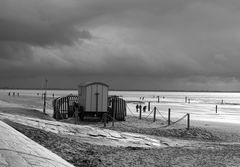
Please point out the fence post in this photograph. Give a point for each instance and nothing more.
(149, 106)
(188, 121)
(140, 112)
(216, 109)
(169, 115)
(154, 114)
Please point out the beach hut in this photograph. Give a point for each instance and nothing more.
(93, 99)
(117, 108)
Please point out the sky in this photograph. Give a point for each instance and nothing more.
(128, 44)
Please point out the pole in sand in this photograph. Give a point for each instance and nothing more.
(149, 106)
(188, 121)
(154, 114)
(44, 97)
(169, 115)
(140, 112)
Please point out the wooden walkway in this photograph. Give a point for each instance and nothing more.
(17, 150)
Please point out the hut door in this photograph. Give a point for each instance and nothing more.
(99, 95)
(96, 98)
(96, 94)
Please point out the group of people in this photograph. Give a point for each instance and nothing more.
(139, 107)
(13, 93)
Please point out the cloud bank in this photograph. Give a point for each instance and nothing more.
(169, 44)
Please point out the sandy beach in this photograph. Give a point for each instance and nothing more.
(204, 144)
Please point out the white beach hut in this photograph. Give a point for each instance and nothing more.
(93, 97)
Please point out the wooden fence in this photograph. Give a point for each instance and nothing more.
(117, 108)
(63, 106)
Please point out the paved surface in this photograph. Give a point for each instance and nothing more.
(17, 150)
(88, 134)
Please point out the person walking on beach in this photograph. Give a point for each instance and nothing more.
(137, 107)
(144, 108)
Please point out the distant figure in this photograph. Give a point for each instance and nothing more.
(13, 93)
(222, 102)
(142, 98)
(137, 107)
(186, 99)
(53, 95)
(140, 107)
(18, 94)
(144, 108)
(189, 101)
(163, 97)
(37, 94)
(9, 93)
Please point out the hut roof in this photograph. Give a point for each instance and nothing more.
(92, 83)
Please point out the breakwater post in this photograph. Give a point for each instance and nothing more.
(149, 106)
(188, 121)
(169, 116)
(140, 112)
(154, 114)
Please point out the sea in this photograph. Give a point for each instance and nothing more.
(206, 106)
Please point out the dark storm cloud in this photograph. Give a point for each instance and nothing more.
(42, 35)
(14, 51)
(178, 41)
(53, 22)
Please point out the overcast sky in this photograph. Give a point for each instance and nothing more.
(129, 44)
